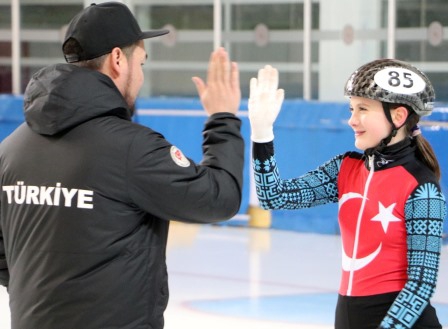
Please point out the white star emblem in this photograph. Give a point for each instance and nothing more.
(385, 216)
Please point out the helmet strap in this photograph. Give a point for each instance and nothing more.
(385, 141)
(394, 131)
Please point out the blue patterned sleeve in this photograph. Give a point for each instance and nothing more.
(314, 188)
(425, 211)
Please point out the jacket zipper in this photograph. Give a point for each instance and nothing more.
(358, 225)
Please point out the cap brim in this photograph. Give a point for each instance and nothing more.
(154, 33)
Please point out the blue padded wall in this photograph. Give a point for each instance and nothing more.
(306, 135)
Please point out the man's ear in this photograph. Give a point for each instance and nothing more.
(115, 63)
(399, 116)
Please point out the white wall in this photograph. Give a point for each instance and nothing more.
(337, 59)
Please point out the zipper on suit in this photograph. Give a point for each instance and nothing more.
(358, 225)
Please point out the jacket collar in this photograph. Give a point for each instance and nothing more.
(393, 155)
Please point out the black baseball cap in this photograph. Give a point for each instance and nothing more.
(101, 27)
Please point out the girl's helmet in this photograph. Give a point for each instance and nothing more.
(393, 81)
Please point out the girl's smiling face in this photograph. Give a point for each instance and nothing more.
(368, 121)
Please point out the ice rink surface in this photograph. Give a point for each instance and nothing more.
(244, 278)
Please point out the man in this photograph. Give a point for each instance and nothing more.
(87, 194)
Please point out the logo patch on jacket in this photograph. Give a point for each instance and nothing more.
(178, 157)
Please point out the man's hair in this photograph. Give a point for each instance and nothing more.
(72, 46)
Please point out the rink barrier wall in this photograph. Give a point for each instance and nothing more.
(306, 135)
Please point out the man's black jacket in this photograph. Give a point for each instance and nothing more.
(86, 200)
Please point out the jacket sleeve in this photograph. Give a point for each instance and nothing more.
(425, 211)
(4, 273)
(162, 181)
(311, 189)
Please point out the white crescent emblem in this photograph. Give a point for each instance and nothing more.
(349, 263)
(348, 196)
(354, 264)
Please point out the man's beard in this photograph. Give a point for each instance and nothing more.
(128, 98)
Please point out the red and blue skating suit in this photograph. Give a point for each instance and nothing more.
(391, 212)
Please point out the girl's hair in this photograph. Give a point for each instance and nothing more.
(425, 151)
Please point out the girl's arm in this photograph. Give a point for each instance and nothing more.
(425, 211)
(314, 188)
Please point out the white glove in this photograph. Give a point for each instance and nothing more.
(265, 101)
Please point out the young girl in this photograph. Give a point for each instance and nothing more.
(391, 208)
